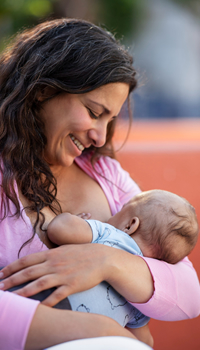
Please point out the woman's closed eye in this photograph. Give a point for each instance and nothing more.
(92, 114)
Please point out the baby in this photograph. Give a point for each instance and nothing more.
(156, 223)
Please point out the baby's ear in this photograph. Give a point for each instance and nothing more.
(132, 226)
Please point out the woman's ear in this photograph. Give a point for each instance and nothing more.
(45, 93)
(132, 226)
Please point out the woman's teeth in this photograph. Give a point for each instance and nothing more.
(77, 143)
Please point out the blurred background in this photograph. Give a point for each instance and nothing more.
(163, 36)
(163, 148)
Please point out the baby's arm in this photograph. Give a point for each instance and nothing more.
(69, 229)
(143, 334)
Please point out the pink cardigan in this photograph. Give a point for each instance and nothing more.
(177, 291)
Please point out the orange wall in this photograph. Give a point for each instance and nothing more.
(166, 155)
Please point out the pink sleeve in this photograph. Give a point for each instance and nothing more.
(16, 314)
(116, 183)
(126, 187)
(177, 291)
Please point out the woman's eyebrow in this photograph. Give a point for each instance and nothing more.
(99, 104)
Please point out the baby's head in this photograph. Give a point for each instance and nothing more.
(163, 224)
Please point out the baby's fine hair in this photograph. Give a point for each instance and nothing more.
(164, 228)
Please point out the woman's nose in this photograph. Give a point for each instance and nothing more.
(98, 134)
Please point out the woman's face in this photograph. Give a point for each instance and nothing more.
(77, 121)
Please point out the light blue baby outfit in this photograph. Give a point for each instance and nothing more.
(103, 299)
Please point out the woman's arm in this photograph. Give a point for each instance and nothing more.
(50, 327)
(177, 291)
(26, 324)
(74, 268)
(69, 229)
(161, 290)
(16, 314)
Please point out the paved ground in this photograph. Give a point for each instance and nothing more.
(166, 155)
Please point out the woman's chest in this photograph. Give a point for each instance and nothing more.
(82, 194)
(76, 193)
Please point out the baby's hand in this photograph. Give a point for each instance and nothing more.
(85, 216)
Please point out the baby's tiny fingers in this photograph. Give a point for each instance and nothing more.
(84, 216)
(81, 215)
(87, 216)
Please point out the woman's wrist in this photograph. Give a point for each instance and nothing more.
(129, 275)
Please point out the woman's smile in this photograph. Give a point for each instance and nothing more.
(77, 143)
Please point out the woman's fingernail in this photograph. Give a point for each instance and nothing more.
(1, 274)
(1, 285)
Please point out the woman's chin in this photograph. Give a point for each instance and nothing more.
(64, 162)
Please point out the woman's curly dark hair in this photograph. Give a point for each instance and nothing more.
(66, 55)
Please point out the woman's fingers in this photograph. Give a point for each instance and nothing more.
(70, 268)
(28, 274)
(59, 294)
(35, 287)
(22, 263)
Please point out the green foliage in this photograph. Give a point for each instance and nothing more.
(121, 16)
(16, 14)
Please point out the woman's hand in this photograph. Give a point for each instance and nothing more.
(70, 268)
(74, 268)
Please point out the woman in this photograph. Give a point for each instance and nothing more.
(62, 85)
